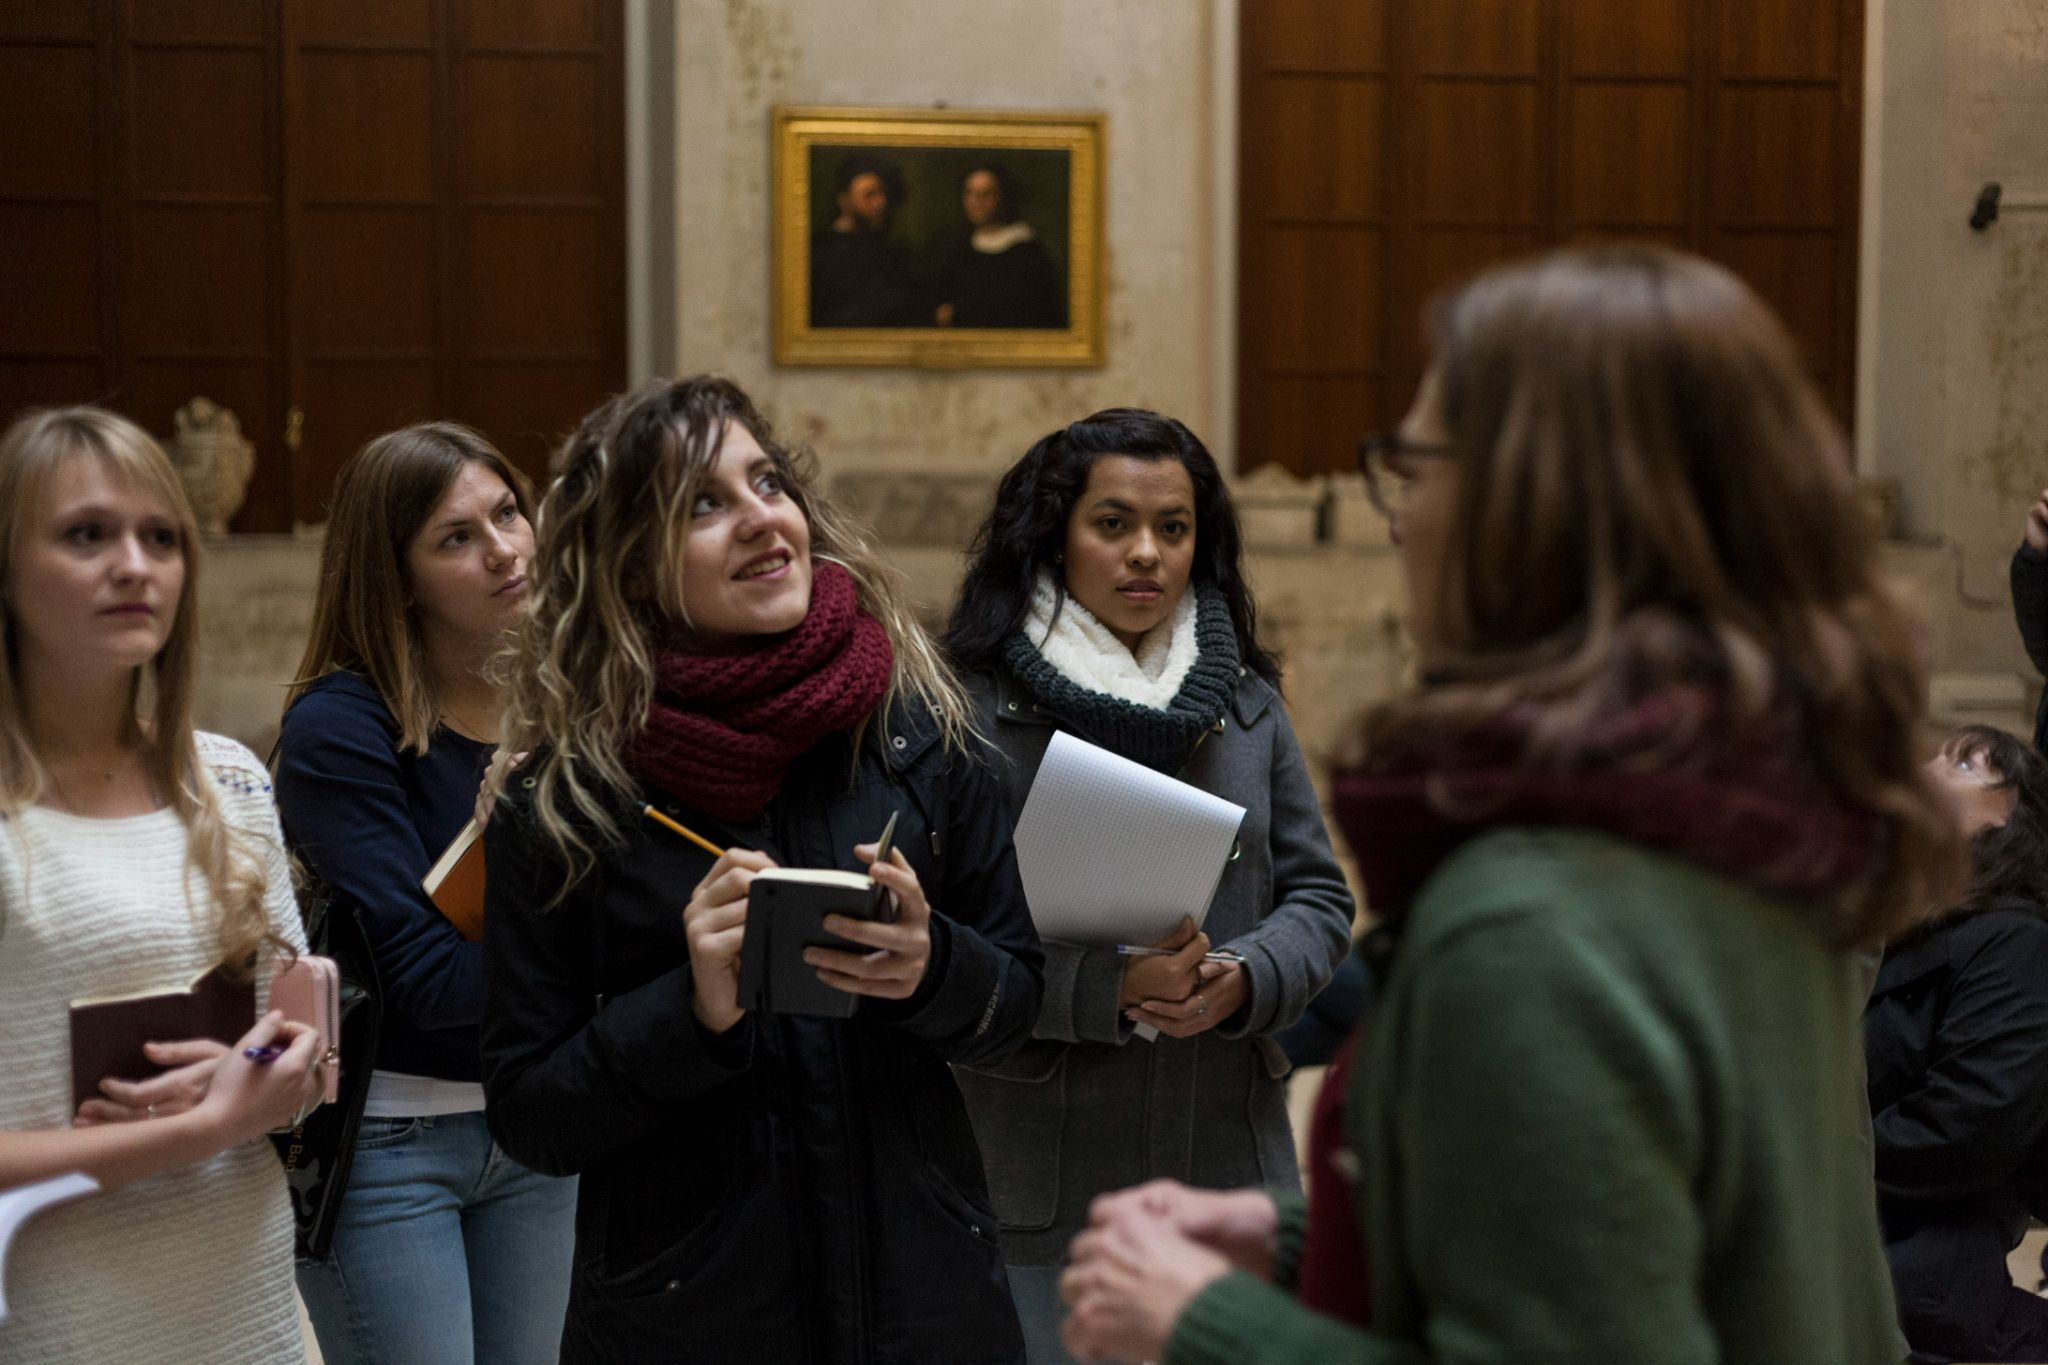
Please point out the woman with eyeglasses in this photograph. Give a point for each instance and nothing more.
(1656, 780)
(1106, 599)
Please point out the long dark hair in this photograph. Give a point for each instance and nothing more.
(1027, 527)
(2008, 861)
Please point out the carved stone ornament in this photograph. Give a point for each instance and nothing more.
(214, 461)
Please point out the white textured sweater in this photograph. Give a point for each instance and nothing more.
(193, 1265)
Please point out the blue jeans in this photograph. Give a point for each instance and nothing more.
(447, 1252)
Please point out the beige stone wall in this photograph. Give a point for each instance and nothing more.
(1154, 68)
(1953, 373)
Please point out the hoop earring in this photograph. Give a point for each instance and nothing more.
(1059, 556)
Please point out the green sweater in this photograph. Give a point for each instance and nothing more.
(1607, 1111)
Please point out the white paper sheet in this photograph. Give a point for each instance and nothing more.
(24, 1202)
(1113, 852)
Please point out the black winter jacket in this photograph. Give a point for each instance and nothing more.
(2030, 614)
(799, 1189)
(1956, 1037)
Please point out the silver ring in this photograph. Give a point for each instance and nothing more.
(1201, 1005)
(150, 1110)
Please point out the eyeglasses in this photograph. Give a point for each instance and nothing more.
(1382, 457)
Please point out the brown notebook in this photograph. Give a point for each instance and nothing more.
(107, 1034)
(455, 883)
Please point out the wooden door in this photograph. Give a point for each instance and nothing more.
(353, 214)
(1391, 148)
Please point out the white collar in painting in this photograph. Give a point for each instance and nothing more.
(997, 240)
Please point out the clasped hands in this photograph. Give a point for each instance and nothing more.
(715, 923)
(1182, 995)
(1147, 1252)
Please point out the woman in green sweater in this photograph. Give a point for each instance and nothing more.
(1658, 777)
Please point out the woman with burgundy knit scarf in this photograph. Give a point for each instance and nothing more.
(710, 641)
(1657, 779)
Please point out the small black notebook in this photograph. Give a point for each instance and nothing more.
(786, 909)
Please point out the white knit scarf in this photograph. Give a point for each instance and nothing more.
(1091, 656)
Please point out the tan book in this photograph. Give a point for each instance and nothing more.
(455, 882)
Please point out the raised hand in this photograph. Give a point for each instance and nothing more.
(714, 924)
(899, 953)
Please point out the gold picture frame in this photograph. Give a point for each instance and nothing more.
(986, 248)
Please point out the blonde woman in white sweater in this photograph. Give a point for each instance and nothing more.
(134, 855)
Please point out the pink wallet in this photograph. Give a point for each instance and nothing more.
(309, 992)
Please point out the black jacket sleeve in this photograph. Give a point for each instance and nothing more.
(981, 993)
(1983, 1101)
(341, 795)
(567, 1083)
(2030, 602)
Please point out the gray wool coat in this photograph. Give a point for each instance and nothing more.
(1085, 1107)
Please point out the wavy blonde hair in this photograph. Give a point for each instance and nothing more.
(33, 449)
(1651, 492)
(609, 539)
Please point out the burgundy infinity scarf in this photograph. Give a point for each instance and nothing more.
(723, 728)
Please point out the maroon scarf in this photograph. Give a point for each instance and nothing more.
(723, 728)
(1747, 810)
(1746, 807)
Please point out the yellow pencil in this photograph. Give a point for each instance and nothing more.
(699, 840)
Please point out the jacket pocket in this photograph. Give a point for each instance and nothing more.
(1018, 1116)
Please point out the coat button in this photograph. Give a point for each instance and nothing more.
(528, 783)
(1013, 706)
(899, 741)
(672, 1286)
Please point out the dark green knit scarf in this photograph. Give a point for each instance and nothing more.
(1161, 740)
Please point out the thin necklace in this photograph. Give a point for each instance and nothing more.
(464, 726)
(71, 807)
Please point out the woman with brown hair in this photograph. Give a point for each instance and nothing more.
(443, 1249)
(1956, 1037)
(1657, 777)
(712, 645)
(136, 854)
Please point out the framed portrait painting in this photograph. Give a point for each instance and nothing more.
(944, 238)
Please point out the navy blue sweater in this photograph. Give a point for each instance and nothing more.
(369, 821)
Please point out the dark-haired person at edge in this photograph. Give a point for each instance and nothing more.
(1105, 597)
(1001, 275)
(445, 1250)
(860, 275)
(1956, 1036)
(2030, 601)
(1655, 788)
(710, 637)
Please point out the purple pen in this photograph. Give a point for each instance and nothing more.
(267, 1052)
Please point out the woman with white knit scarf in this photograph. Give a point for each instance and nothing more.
(1106, 598)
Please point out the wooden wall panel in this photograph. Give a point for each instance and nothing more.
(1776, 39)
(41, 20)
(364, 212)
(1315, 35)
(1775, 156)
(196, 21)
(544, 25)
(366, 125)
(48, 98)
(1303, 116)
(1629, 148)
(1628, 37)
(1321, 305)
(1501, 37)
(360, 24)
(1425, 140)
(1478, 152)
(54, 308)
(198, 122)
(531, 127)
